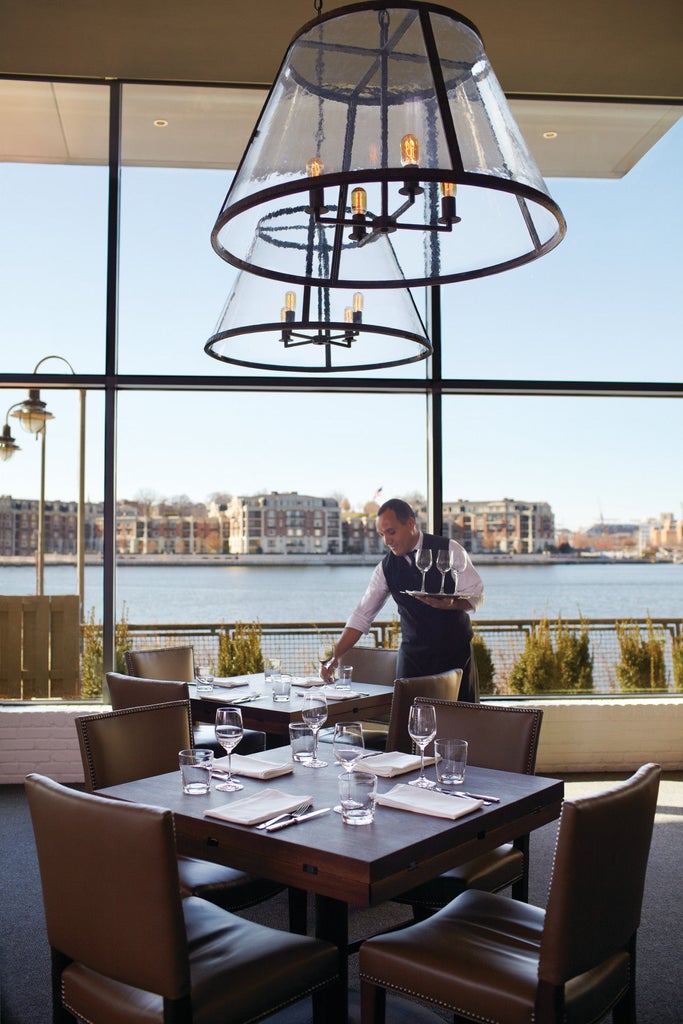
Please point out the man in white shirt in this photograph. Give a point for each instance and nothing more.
(436, 632)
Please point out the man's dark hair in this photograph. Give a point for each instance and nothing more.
(400, 508)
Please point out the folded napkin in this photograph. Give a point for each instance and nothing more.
(307, 682)
(254, 767)
(252, 810)
(230, 684)
(332, 693)
(390, 764)
(427, 801)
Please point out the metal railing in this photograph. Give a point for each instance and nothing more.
(296, 644)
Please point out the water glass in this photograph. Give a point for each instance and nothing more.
(344, 677)
(271, 667)
(451, 760)
(301, 741)
(282, 686)
(204, 680)
(357, 792)
(195, 770)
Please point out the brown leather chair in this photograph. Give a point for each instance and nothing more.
(370, 665)
(176, 664)
(135, 743)
(504, 738)
(486, 957)
(444, 686)
(125, 946)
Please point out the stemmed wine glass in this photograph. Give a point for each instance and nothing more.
(423, 561)
(314, 713)
(422, 729)
(444, 563)
(229, 730)
(348, 745)
(325, 652)
(459, 565)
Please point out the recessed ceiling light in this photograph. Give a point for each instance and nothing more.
(161, 123)
(549, 135)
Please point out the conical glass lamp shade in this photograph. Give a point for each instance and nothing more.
(386, 120)
(309, 329)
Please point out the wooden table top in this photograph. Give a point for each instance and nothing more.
(362, 865)
(262, 712)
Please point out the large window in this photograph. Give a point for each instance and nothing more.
(558, 382)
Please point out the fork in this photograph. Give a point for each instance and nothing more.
(301, 809)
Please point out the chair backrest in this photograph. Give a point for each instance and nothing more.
(121, 746)
(504, 738)
(444, 686)
(164, 663)
(111, 905)
(134, 692)
(372, 664)
(596, 891)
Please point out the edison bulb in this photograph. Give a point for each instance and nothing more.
(410, 151)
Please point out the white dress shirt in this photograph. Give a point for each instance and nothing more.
(377, 592)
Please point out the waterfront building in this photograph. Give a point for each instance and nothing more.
(284, 524)
(508, 525)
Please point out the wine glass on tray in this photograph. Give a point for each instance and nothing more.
(459, 565)
(444, 563)
(422, 729)
(348, 745)
(314, 713)
(423, 561)
(229, 729)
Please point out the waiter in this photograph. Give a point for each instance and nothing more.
(436, 632)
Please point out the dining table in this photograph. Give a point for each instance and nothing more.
(343, 865)
(254, 696)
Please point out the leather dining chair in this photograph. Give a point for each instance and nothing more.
(370, 665)
(138, 742)
(127, 948)
(176, 664)
(444, 686)
(504, 738)
(134, 692)
(487, 957)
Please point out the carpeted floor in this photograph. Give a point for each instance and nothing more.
(24, 957)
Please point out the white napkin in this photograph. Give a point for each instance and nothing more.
(252, 810)
(306, 682)
(427, 801)
(253, 767)
(230, 684)
(393, 762)
(332, 693)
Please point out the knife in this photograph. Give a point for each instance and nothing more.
(478, 796)
(295, 821)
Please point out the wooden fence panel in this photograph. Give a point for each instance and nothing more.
(10, 648)
(40, 647)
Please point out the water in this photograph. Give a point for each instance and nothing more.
(214, 594)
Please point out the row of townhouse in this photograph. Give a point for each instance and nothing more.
(271, 524)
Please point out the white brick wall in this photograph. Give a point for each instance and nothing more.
(577, 736)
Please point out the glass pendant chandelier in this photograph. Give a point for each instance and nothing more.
(386, 144)
(315, 329)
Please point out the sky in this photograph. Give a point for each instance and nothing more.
(605, 305)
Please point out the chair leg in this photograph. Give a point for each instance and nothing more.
(373, 1001)
(298, 911)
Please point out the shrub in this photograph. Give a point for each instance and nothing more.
(677, 661)
(641, 663)
(92, 658)
(485, 667)
(239, 651)
(544, 667)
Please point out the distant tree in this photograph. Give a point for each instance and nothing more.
(145, 500)
(219, 498)
(342, 500)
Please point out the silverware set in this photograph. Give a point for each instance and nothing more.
(301, 809)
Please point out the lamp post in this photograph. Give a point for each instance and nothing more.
(33, 416)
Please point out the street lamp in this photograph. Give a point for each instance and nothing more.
(33, 415)
(8, 446)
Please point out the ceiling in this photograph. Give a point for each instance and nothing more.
(606, 77)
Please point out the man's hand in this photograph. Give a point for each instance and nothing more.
(327, 670)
